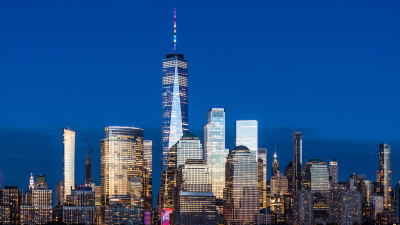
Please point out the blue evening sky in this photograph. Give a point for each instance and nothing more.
(327, 68)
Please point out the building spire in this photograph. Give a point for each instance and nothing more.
(174, 30)
(31, 182)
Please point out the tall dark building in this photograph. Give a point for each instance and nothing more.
(289, 175)
(297, 160)
(174, 99)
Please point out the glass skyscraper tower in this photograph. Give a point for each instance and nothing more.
(69, 161)
(214, 149)
(247, 135)
(385, 172)
(174, 99)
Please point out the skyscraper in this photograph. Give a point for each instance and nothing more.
(262, 155)
(297, 160)
(69, 161)
(148, 174)
(88, 167)
(188, 147)
(196, 202)
(275, 165)
(247, 135)
(385, 173)
(241, 194)
(333, 173)
(174, 99)
(316, 180)
(289, 175)
(121, 174)
(214, 149)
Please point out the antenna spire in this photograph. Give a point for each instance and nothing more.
(174, 30)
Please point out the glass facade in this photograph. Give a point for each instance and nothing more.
(241, 194)
(214, 149)
(196, 202)
(315, 175)
(121, 171)
(297, 160)
(174, 102)
(188, 147)
(385, 173)
(247, 135)
(69, 161)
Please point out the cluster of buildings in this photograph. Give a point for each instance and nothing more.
(201, 183)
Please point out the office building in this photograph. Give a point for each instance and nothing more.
(196, 202)
(316, 179)
(69, 161)
(247, 135)
(241, 194)
(297, 161)
(333, 173)
(188, 147)
(214, 149)
(174, 99)
(121, 174)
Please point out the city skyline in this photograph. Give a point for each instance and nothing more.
(266, 142)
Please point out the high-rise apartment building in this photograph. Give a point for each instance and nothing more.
(214, 149)
(69, 161)
(303, 207)
(121, 174)
(82, 207)
(297, 160)
(10, 202)
(247, 135)
(385, 173)
(174, 99)
(241, 194)
(344, 206)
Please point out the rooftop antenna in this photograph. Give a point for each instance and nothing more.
(175, 30)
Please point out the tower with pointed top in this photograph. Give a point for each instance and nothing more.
(275, 165)
(174, 99)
